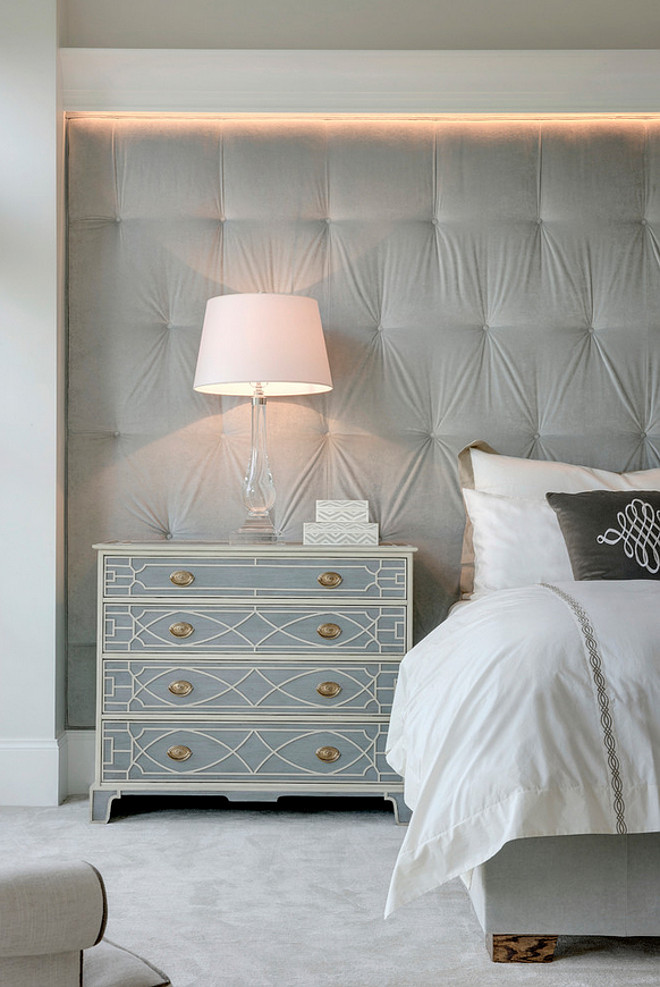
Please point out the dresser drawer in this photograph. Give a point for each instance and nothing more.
(254, 577)
(151, 628)
(151, 686)
(174, 752)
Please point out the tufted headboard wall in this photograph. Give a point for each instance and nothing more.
(477, 278)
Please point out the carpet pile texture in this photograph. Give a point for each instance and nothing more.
(221, 895)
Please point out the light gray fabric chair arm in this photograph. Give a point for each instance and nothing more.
(50, 908)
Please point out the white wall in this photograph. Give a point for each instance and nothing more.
(355, 24)
(31, 496)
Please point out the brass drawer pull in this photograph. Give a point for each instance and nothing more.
(179, 752)
(181, 629)
(182, 578)
(330, 579)
(180, 688)
(328, 754)
(328, 689)
(329, 631)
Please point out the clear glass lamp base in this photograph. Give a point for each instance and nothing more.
(258, 488)
(257, 528)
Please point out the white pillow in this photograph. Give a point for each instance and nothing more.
(514, 477)
(484, 470)
(517, 542)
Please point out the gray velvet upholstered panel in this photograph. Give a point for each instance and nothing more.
(477, 278)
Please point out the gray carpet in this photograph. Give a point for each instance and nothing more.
(288, 895)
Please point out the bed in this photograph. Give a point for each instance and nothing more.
(526, 725)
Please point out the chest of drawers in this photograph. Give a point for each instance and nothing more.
(248, 671)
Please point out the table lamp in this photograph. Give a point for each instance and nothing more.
(261, 345)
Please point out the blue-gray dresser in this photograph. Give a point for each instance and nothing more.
(248, 671)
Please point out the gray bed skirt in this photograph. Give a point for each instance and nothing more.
(571, 885)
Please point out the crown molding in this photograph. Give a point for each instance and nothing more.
(418, 82)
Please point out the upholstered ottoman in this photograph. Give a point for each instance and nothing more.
(52, 919)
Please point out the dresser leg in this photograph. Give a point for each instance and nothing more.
(402, 813)
(100, 804)
(521, 949)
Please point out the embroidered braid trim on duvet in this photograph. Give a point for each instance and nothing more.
(596, 663)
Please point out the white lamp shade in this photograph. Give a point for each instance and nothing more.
(274, 340)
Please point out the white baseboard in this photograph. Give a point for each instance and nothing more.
(30, 772)
(43, 771)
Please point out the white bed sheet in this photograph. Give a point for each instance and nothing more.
(528, 712)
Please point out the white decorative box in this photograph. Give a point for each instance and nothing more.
(342, 510)
(338, 533)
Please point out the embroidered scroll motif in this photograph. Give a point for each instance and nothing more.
(595, 661)
(639, 533)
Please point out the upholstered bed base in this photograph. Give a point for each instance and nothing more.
(536, 889)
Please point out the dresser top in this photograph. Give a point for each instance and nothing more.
(290, 549)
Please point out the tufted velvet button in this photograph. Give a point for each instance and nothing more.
(116, 434)
(536, 436)
(169, 536)
(117, 219)
(644, 222)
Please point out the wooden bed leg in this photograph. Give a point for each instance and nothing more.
(521, 949)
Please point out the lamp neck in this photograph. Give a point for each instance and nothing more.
(258, 489)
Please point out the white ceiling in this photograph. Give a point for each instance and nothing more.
(361, 24)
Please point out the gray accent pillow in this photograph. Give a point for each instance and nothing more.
(610, 534)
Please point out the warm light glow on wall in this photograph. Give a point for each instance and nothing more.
(361, 118)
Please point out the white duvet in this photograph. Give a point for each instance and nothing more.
(528, 712)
